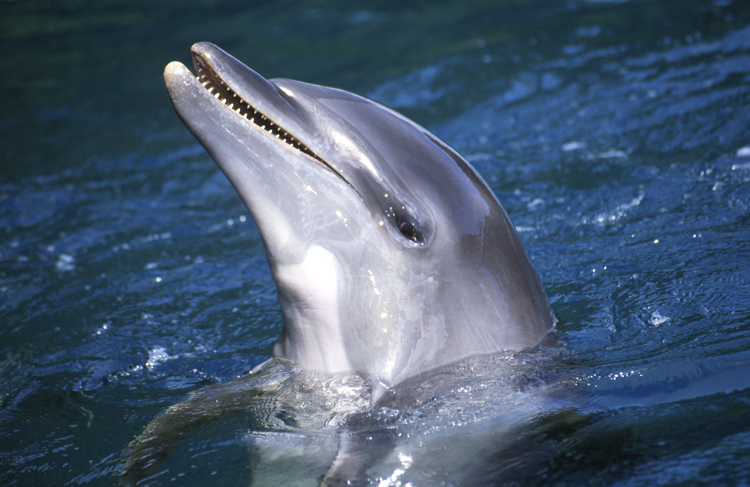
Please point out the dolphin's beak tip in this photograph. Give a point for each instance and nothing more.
(176, 75)
(173, 69)
(202, 48)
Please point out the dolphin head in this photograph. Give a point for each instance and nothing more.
(390, 254)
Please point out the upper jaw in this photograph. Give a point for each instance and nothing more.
(248, 94)
(268, 107)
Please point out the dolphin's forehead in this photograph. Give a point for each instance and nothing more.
(386, 138)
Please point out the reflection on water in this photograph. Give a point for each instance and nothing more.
(616, 134)
(467, 423)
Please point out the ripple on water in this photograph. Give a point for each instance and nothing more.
(619, 148)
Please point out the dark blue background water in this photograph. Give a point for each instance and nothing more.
(616, 134)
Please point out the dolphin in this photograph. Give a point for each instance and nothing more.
(391, 255)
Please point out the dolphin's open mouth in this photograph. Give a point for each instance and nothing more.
(211, 80)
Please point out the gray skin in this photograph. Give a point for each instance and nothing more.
(390, 254)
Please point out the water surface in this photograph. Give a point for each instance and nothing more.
(615, 133)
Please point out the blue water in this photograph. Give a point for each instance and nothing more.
(615, 133)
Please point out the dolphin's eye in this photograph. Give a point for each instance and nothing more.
(407, 230)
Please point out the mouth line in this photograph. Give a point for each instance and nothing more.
(213, 83)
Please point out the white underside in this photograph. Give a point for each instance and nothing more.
(308, 293)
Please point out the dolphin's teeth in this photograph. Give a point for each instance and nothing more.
(221, 91)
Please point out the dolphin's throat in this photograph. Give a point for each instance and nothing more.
(211, 80)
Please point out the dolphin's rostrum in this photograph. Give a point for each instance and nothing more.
(390, 254)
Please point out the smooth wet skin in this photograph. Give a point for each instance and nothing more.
(390, 254)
